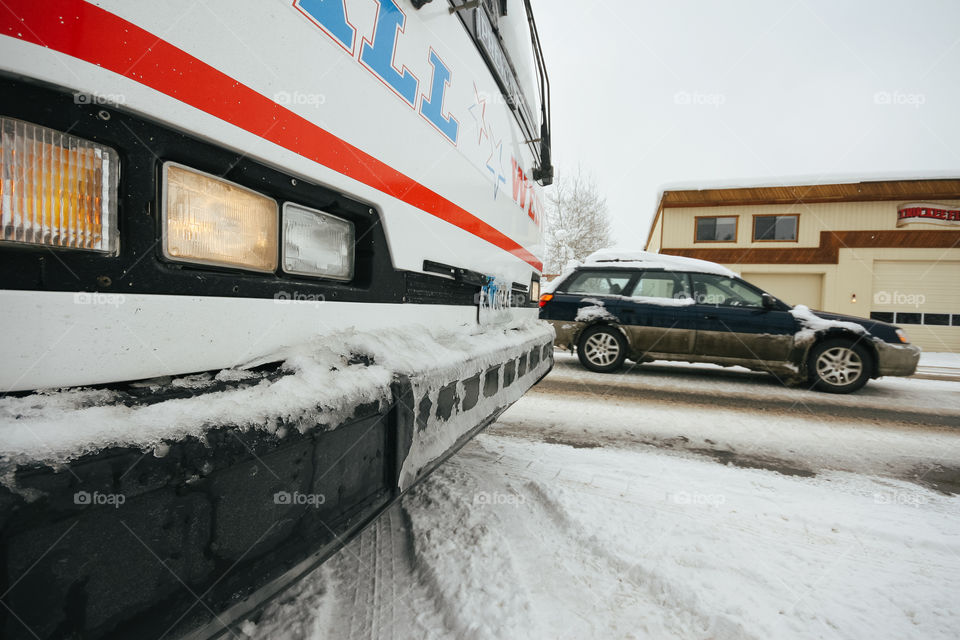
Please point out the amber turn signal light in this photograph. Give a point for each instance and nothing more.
(545, 298)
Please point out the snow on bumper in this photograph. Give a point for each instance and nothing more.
(226, 481)
(450, 403)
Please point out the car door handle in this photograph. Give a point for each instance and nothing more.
(709, 316)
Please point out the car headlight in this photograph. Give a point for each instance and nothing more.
(316, 243)
(903, 336)
(208, 220)
(57, 190)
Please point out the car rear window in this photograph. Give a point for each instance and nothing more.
(599, 282)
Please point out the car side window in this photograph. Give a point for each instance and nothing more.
(604, 283)
(724, 291)
(662, 284)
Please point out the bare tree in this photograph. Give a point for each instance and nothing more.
(577, 221)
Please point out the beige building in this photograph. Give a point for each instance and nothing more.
(887, 250)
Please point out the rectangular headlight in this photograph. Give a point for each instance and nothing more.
(56, 190)
(316, 243)
(208, 220)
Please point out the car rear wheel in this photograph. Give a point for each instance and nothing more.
(839, 366)
(602, 349)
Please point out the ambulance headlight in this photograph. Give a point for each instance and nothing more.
(56, 190)
(316, 243)
(208, 220)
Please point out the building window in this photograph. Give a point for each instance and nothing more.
(716, 229)
(913, 317)
(775, 228)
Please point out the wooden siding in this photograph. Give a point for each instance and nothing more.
(816, 194)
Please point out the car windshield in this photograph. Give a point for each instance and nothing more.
(724, 291)
(599, 282)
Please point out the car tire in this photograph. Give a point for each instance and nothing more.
(839, 366)
(602, 348)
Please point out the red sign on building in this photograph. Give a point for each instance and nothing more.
(915, 212)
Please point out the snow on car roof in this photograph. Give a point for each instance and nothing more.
(634, 258)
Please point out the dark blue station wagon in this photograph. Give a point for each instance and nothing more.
(654, 307)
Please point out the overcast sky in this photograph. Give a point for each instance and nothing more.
(677, 93)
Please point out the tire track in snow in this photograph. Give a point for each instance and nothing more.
(599, 587)
(795, 549)
(369, 590)
(678, 602)
(463, 561)
(377, 584)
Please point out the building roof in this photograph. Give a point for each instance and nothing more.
(815, 194)
(919, 190)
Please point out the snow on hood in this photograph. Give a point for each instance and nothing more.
(812, 323)
(634, 258)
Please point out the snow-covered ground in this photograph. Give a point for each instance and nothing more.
(939, 366)
(940, 359)
(651, 505)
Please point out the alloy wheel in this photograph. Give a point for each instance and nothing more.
(839, 366)
(602, 349)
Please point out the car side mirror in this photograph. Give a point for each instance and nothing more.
(769, 302)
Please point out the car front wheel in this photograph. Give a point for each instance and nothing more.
(839, 366)
(602, 349)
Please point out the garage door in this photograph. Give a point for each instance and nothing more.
(923, 298)
(792, 288)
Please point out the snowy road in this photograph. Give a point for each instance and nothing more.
(666, 502)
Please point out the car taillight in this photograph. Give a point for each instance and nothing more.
(57, 190)
(545, 298)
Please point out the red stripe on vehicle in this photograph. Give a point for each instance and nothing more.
(89, 33)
